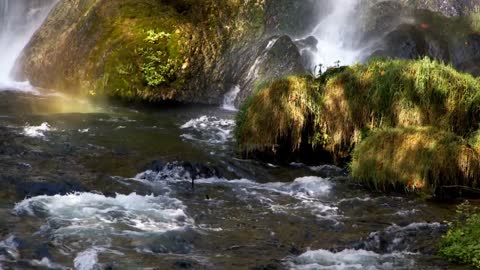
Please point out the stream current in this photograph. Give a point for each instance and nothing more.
(87, 186)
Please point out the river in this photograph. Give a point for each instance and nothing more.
(90, 186)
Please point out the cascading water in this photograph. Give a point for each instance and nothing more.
(19, 19)
(338, 35)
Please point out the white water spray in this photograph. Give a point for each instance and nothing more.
(19, 19)
(338, 35)
(230, 97)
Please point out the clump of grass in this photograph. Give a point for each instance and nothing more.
(281, 109)
(474, 141)
(462, 242)
(415, 159)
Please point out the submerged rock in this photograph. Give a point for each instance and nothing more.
(32, 189)
(160, 171)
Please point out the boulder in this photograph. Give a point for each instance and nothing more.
(148, 49)
(449, 8)
(465, 54)
(278, 58)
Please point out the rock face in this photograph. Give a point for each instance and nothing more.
(156, 50)
(450, 8)
(278, 58)
(148, 49)
(427, 29)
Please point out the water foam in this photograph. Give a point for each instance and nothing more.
(350, 259)
(209, 129)
(36, 131)
(230, 97)
(95, 214)
(86, 260)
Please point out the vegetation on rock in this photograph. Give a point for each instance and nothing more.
(415, 159)
(148, 49)
(346, 106)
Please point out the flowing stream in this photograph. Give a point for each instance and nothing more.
(90, 186)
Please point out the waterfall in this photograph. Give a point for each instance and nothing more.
(230, 97)
(19, 19)
(338, 35)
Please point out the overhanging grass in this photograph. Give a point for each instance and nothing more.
(281, 109)
(474, 141)
(399, 93)
(416, 159)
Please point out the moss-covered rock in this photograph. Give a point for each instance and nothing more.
(141, 49)
(329, 116)
(416, 159)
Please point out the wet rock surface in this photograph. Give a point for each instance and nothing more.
(278, 57)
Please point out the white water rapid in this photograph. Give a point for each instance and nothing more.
(19, 19)
(338, 35)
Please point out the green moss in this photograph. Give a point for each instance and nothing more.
(415, 159)
(462, 242)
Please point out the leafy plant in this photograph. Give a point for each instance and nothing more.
(154, 37)
(157, 68)
(462, 242)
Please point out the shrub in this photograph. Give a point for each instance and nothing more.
(462, 242)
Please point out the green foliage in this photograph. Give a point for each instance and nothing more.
(156, 70)
(157, 67)
(462, 242)
(154, 37)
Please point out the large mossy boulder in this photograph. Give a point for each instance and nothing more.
(141, 49)
(327, 118)
(345, 103)
(159, 50)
